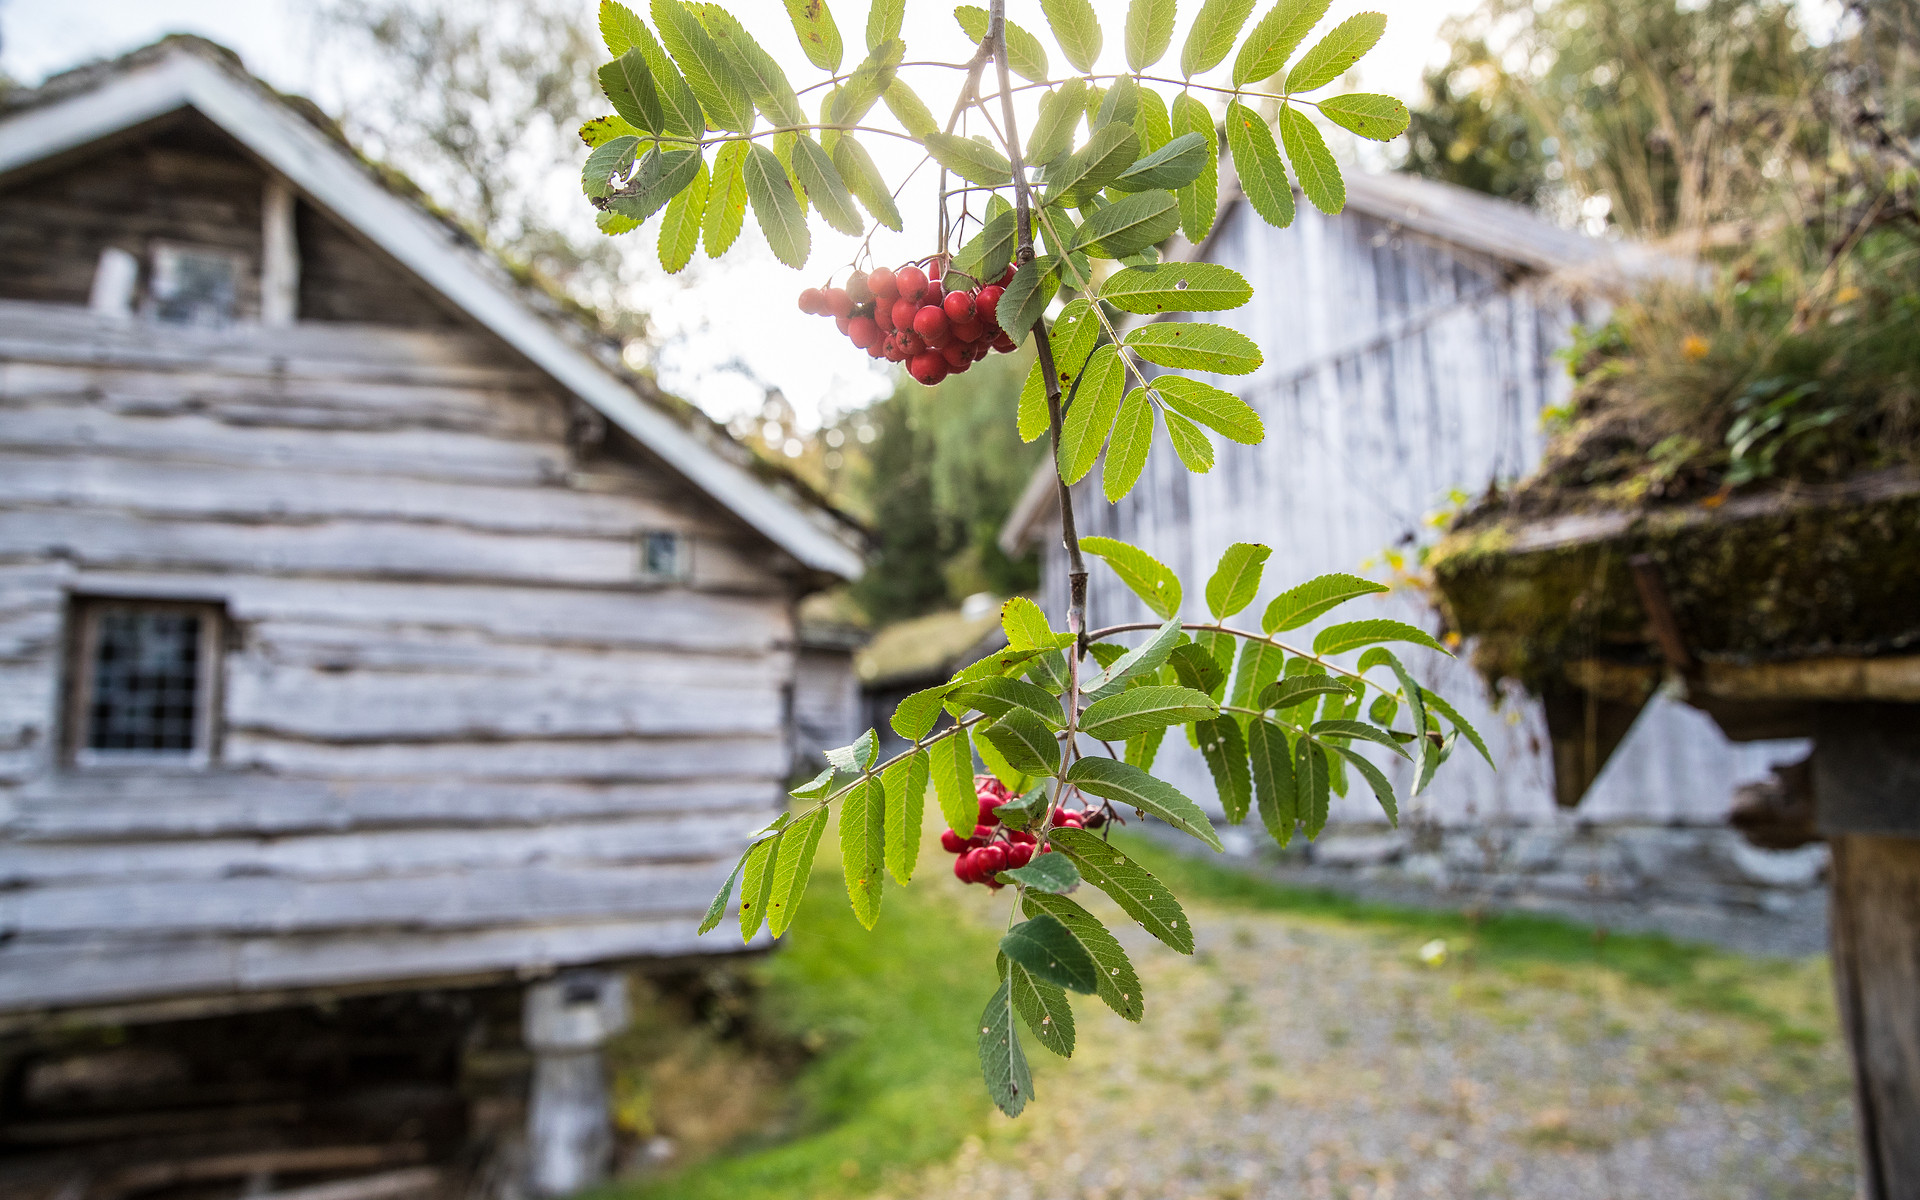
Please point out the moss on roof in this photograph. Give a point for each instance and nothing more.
(926, 648)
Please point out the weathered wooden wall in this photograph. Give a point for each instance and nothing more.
(1397, 367)
(458, 735)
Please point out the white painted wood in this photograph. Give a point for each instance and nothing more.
(114, 280)
(583, 758)
(279, 256)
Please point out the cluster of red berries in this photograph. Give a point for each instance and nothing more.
(905, 316)
(994, 848)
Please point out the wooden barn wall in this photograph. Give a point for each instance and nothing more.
(457, 735)
(1396, 369)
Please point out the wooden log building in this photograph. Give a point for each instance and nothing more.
(367, 632)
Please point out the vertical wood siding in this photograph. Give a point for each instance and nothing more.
(1397, 368)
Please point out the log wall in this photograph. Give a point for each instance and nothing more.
(459, 736)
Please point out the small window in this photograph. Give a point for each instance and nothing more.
(194, 286)
(144, 682)
(665, 556)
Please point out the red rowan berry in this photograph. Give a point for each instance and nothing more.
(880, 279)
(958, 357)
(963, 867)
(858, 289)
(987, 815)
(911, 281)
(952, 842)
(927, 367)
(904, 311)
(1004, 343)
(842, 323)
(1019, 855)
(863, 332)
(967, 331)
(839, 303)
(959, 306)
(930, 322)
(813, 302)
(988, 302)
(990, 859)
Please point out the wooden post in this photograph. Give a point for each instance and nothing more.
(569, 1132)
(1867, 787)
(279, 256)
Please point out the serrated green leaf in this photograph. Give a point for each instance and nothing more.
(1120, 103)
(601, 130)
(1151, 124)
(1026, 626)
(680, 115)
(1376, 779)
(1026, 811)
(1297, 606)
(613, 224)
(1130, 223)
(793, 868)
(1044, 946)
(883, 20)
(765, 82)
(1440, 705)
(610, 160)
(1294, 689)
(1224, 748)
(1129, 785)
(1381, 118)
(776, 207)
(975, 162)
(1127, 449)
(909, 110)
(680, 228)
(1076, 29)
(1003, 1064)
(863, 178)
(1199, 200)
(1140, 709)
(1263, 177)
(1131, 886)
(858, 756)
(1000, 662)
(905, 784)
(1312, 162)
(1136, 663)
(1026, 57)
(617, 24)
(1196, 667)
(1212, 34)
(1060, 113)
(1237, 579)
(726, 200)
(1142, 748)
(1026, 742)
(1149, 32)
(1312, 786)
(1119, 985)
(1174, 165)
(1043, 1006)
(1270, 757)
(1336, 53)
(1051, 873)
(1345, 728)
(994, 695)
(951, 765)
(1107, 153)
(1221, 411)
(816, 787)
(985, 258)
(661, 175)
(1027, 295)
(1260, 664)
(716, 84)
(1337, 638)
(717, 910)
(1096, 403)
(756, 885)
(1274, 39)
(850, 103)
(1195, 345)
(825, 187)
(1147, 576)
(863, 847)
(819, 36)
(629, 85)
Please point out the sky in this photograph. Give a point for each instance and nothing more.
(727, 329)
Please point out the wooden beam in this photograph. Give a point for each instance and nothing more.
(279, 256)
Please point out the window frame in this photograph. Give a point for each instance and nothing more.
(83, 641)
(150, 294)
(683, 564)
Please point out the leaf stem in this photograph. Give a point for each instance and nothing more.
(1203, 627)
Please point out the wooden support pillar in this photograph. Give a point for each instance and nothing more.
(279, 256)
(1867, 788)
(569, 1129)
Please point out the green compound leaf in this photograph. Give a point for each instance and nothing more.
(1275, 38)
(863, 848)
(1074, 333)
(1334, 54)
(1026, 57)
(1263, 177)
(617, 27)
(628, 83)
(1119, 985)
(1147, 576)
(1026, 742)
(909, 109)
(726, 200)
(1271, 758)
(793, 868)
(756, 884)
(1131, 886)
(1130, 224)
(1136, 663)
(984, 259)
(1026, 297)
(711, 74)
(1337, 638)
(1195, 667)
(1174, 165)
(996, 695)
(1312, 161)
(1195, 345)
(1312, 785)
(1460, 723)
(1089, 420)
(975, 162)
(1221, 411)
(1126, 784)
(1149, 32)
(1026, 625)
(857, 757)
(717, 910)
(776, 207)
(1199, 200)
(1053, 873)
(825, 187)
(905, 783)
(1138, 710)
(680, 115)
(883, 21)
(818, 35)
(1260, 665)
(1151, 124)
(1297, 606)
(1127, 449)
(952, 770)
(1376, 779)
(1076, 29)
(680, 228)
(1060, 113)
(1225, 749)
(1044, 946)
(601, 130)
(1295, 688)
(1119, 103)
(662, 175)
(1003, 1063)
(1176, 288)
(1025, 811)
(1043, 1006)
(1341, 728)
(1092, 167)
(914, 716)
(1212, 34)
(1381, 118)
(610, 159)
(863, 178)
(1237, 579)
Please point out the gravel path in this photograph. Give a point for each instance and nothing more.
(1298, 1058)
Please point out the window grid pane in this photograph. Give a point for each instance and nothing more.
(146, 678)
